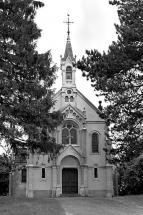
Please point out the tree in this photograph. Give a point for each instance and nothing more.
(131, 177)
(118, 75)
(26, 78)
(5, 168)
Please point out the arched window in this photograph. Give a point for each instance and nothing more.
(69, 72)
(95, 172)
(69, 133)
(95, 142)
(43, 172)
(71, 99)
(74, 136)
(66, 99)
(65, 134)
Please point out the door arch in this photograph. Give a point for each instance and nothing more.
(70, 175)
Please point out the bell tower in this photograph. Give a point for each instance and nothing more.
(68, 63)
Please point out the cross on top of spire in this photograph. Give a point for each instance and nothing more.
(68, 23)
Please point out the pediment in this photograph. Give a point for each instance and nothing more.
(70, 150)
(74, 113)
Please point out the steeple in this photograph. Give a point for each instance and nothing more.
(68, 50)
(68, 63)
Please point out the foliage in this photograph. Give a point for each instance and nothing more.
(26, 78)
(131, 177)
(118, 75)
(5, 168)
(5, 163)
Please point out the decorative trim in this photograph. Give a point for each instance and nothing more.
(94, 131)
(95, 122)
(99, 167)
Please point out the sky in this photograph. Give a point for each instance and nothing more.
(93, 28)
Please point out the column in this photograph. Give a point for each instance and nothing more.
(29, 190)
(10, 184)
(58, 190)
(30, 159)
(85, 180)
(54, 171)
(82, 182)
(29, 183)
(73, 73)
(80, 139)
(84, 141)
(58, 136)
(109, 180)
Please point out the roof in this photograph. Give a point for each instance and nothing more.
(88, 102)
(68, 51)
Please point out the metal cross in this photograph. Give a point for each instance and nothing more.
(68, 23)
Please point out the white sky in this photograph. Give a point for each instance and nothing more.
(93, 28)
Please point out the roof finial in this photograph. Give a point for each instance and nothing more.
(68, 23)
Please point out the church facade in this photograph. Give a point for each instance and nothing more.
(81, 167)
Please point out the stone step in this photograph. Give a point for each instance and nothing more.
(70, 195)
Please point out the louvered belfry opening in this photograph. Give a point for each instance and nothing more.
(69, 72)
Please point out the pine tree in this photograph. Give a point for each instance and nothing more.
(118, 75)
(26, 78)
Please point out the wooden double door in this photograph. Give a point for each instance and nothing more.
(69, 181)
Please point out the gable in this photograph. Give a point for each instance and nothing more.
(74, 113)
(79, 109)
(70, 150)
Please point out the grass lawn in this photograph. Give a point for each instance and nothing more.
(29, 206)
(123, 205)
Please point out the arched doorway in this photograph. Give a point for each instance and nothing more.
(70, 175)
(69, 180)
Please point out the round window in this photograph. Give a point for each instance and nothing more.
(68, 91)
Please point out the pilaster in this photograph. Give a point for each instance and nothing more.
(54, 171)
(29, 185)
(84, 141)
(58, 190)
(82, 182)
(58, 136)
(10, 184)
(85, 180)
(109, 180)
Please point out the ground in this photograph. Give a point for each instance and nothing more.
(127, 205)
(29, 206)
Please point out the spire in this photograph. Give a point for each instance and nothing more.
(68, 50)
